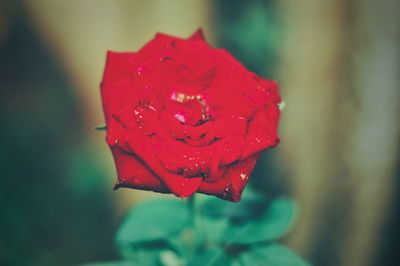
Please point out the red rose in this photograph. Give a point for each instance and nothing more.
(183, 117)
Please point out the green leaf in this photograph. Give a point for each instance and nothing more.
(273, 223)
(142, 252)
(152, 257)
(250, 206)
(273, 254)
(101, 128)
(213, 215)
(208, 230)
(170, 258)
(152, 221)
(153, 253)
(214, 256)
(113, 263)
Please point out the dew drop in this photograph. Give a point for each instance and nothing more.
(243, 176)
(180, 117)
(281, 105)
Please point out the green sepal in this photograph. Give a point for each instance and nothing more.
(101, 128)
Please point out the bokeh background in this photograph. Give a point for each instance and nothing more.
(338, 65)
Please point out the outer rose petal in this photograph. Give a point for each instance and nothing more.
(197, 36)
(155, 47)
(262, 133)
(118, 67)
(231, 186)
(144, 148)
(134, 174)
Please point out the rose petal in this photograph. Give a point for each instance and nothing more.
(116, 78)
(134, 174)
(226, 126)
(231, 186)
(146, 151)
(197, 36)
(158, 43)
(262, 132)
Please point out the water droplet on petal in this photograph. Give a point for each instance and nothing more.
(180, 117)
(281, 105)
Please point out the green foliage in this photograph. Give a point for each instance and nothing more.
(147, 234)
(250, 30)
(153, 221)
(114, 263)
(270, 225)
(209, 232)
(272, 254)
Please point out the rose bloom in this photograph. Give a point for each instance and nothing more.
(183, 117)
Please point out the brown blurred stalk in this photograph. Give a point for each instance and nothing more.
(340, 130)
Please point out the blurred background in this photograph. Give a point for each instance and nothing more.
(338, 65)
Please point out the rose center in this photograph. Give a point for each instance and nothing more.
(189, 109)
